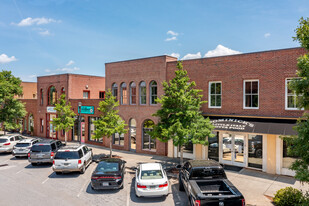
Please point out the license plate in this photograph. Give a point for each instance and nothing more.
(66, 164)
(21, 150)
(105, 184)
(152, 187)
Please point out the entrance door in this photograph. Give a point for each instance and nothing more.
(233, 150)
(188, 151)
(50, 130)
(132, 133)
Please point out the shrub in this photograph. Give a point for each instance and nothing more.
(289, 196)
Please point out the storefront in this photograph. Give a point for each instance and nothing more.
(50, 129)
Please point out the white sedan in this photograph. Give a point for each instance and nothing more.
(151, 180)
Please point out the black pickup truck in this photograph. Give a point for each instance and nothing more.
(205, 183)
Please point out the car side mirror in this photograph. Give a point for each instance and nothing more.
(179, 167)
(124, 161)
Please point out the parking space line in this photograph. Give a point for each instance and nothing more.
(81, 189)
(45, 181)
(19, 171)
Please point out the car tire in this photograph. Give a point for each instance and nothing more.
(17, 157)
(180, 186)
(58, 173)
(34, 164)
(259, 153)
(82, 171)
(121, 186)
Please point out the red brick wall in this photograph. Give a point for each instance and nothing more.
(31, 108)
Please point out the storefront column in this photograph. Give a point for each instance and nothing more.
(198, 152)
(170, 148)
(271, 154)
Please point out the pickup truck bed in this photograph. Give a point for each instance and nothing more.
(210, 188)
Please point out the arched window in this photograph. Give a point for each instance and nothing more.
(41, 97)
(118, 139)
(132, 93)
(62, 90)
(132, 133)
(115, 90)
(123, 94)
(148, 142)
(52, 96)
(153, 92)
(142, 93)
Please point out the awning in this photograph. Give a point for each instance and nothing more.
(241, 125)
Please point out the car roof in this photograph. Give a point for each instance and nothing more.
(26, 140)
(116, 160)
(45, 142)
(9, 136)
(150, 166)
(71, 147)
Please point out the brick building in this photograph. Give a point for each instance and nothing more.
(248, 102)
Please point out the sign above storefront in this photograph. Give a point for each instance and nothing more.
(86, 110)
(50, 110)
(232, 124)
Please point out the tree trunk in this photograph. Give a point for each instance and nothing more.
(65, 137)
(110, 147)
(181, 154)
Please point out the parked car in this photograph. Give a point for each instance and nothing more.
(151, 180)
(22, 148)
(7, 142)
(109, 174)
(44, 152)
(256, 146)
(205, 183)
(75, 158)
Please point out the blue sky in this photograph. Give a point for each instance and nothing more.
(43, 37)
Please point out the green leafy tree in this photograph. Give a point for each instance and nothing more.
(65, 116)
(109, 121)
(300, 144)
(180, 116)
(11, 109)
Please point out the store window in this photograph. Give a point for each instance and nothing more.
(132, 130)
(215, 94)
(153, 92)
(291, 99)
(142, 93)
(118, 139)
(52, 96)
(101, 95)
(123, 94)
(251, 94)
(287, 159)
(148, 142)
(91, 130)
(115, 91)
(213, 147)
(132, 93)
(86, 94)
(255, 151)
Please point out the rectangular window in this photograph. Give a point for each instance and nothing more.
(215, 94)
(41, 125)
(86, 94)
(148, 142)
(290, 96)
(118, 139)
(92, 128)
(133, 95)
(102, 95)
(251, 94)
(143, 95)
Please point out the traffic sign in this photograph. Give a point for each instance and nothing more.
(86, 110)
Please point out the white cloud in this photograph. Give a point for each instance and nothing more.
(65, 69)
(47, 70)
(33, 76)
(221, 51)
(192, 56)
(175, 55)
(172, 33)
(36, 21)
(171, 39)
(5, 59)
(70, 63)
(44, 32)
(267, 35)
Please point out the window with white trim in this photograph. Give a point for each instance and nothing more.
(153, 92)
(215, 94)
(290, 96)
(142, 93)
(133, 93)
(123, 94)
(115, 91)
(251, 94)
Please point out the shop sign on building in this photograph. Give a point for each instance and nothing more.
(86, 110)
(51, 110)
(232, 124)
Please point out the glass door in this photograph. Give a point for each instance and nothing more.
(233, 149)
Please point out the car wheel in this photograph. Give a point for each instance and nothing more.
(17, 157)
(82, 171)
(121, 186)
(58, 173)
(34, 164)
(259, 153)
(181, 188)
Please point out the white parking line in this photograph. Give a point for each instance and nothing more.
(19, 171)
(45, 181)
(81, 189)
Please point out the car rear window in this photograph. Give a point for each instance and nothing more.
(108, 167)
(3, 140)
(151, 174)
(22, 145)
(40, 148)
(67, 155)
(207, 173)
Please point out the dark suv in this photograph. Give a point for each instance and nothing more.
(44, 152)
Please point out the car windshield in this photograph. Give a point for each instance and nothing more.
(3, 140)
(67, 155)
(205, 173)
(151, 174)
(22, 145)
(40, 148)
(108, 167)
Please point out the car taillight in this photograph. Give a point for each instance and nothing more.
(52, 154)
(7, 143)
(197, 203)
(243, 202)
(29, 154)
(53, 162)
(79, 161)
(163, 185)
(141, 186)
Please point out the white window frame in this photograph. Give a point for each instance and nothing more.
(130, 88)
(86, 92)
(122, 94)
(244, 93)
(286, 94)
(209, 94)
(140, 93)
(150, 92)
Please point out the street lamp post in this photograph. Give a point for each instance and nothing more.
(79, 122)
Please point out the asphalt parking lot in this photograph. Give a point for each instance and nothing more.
(24, 184)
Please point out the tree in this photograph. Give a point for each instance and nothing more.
(109, 121)
(11, 109)
(180, 117)
(65, 116)
(299, 146)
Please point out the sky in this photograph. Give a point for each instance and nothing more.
(46, 37)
